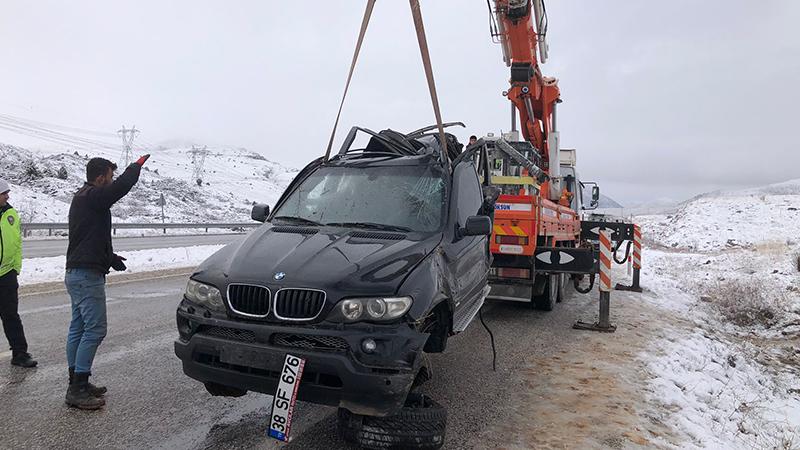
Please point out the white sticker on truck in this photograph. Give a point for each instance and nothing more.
(512, 206)
(511, 249)
(280, 421)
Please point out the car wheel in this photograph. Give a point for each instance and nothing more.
(547, 300)
(218, 390)
(420, 424)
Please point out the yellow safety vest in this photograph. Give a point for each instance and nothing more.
(10, 242)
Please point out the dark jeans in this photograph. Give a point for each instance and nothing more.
(9, 305)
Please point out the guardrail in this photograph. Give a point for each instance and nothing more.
(27, 227)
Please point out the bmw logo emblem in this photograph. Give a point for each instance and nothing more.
(279, 275)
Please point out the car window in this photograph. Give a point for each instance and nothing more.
(468, 194)
(411, 197)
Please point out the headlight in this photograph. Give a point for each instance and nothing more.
(204, 295)
(374, 309)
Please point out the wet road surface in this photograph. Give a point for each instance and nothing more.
(151, 404)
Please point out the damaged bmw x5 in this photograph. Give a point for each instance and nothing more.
(369, 259)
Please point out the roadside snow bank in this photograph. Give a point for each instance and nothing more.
(722, 397)
(43, 270)
(728, 375)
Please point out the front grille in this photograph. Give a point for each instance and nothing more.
(308, 341)
(231, 334)
(249, 300)
(328, 380)
(298, 304)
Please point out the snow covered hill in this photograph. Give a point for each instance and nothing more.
(725, 219)
(43, 182)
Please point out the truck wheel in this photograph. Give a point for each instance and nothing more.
(562, 286)
(218, 390)
(420, 424)
(547, 300)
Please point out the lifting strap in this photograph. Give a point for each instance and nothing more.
(361, 34)
(426, 62)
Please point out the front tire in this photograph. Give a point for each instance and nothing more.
(420, 424)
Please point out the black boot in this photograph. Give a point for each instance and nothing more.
(23, 359)
(95, 391)
(78, 393)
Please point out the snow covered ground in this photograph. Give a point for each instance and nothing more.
(727, 263)
(43, 270)
(44, 180)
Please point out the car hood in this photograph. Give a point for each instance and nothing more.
(340, 261)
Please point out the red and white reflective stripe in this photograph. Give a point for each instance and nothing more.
(637, 247)
(605, 260)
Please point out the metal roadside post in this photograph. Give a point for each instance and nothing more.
(637, 262)
(603, 323)
(161, 202)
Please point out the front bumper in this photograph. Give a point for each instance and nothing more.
(250, 355)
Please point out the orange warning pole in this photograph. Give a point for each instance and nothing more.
(637, 262)
(603, 322)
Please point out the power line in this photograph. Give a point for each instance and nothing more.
(44, 138)
(43, 131)
(54, 134)
(53, 137)
(51, 125)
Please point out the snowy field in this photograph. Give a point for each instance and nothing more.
(728, 264)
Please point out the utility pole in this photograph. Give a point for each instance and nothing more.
(127, 143)
(198, 160)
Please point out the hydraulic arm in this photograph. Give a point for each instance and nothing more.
(520, 26)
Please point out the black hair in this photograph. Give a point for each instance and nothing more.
(474, 137)
(97, 167)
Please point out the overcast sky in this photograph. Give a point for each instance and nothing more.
(661, 99)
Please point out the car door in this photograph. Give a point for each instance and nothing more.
(467, 254)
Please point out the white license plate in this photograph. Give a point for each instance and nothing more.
(511, 249)
(280, 421)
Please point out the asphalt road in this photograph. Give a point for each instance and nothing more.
(57, 247)
(151, 404)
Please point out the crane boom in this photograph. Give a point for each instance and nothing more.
(521, 29)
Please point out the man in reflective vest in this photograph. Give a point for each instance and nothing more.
(10, 266)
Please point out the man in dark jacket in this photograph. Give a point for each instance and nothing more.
(10, 266)
(89, 257)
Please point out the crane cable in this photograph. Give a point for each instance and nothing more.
(361, 34)
(426, 63)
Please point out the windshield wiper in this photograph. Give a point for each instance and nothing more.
(370, 225)
(297, 220)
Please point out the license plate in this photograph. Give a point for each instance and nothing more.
(245, 357)
(511, 249)
(280, 421)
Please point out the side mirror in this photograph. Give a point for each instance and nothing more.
(260, 212)
(595, 196)
(477, 226)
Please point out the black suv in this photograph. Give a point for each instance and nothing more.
(368, 260)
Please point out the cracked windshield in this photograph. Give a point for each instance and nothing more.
(409, 198)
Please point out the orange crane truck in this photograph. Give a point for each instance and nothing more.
(539, 240)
